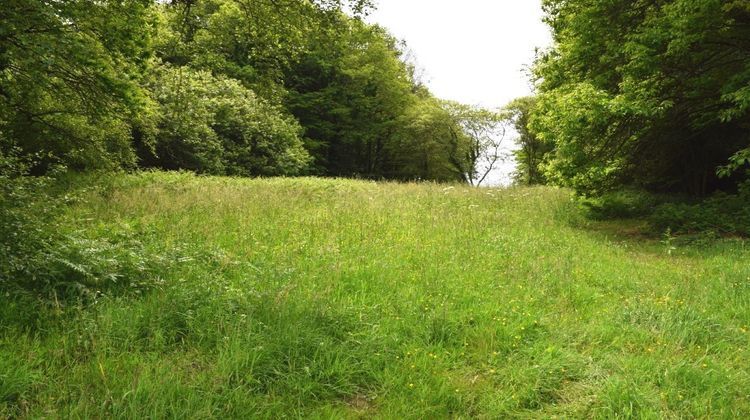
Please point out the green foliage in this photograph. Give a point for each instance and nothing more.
(532, 151)
(364, 113)
(351, 92)
(69, 74)
(234, 87)
(739, 160)
(722, 213)
(254, 41)
(652, 94)
(86, 268)
(184, 137)
(430, 145)
(28, 213)
(214, 125)
(590, 114)
(40, 254)
(621, 204)
(476, 135)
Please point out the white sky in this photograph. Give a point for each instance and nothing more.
(472, 51)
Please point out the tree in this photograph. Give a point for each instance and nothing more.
(350, 93)
(422, 147)
(476, 135)
(646, 93)
(342, 79)
(532, 152)
(69, 74)
(253, 41)
(214, 125)
(238, 87)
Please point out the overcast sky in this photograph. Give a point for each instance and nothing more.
(472, 51)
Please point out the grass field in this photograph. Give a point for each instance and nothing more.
(349, 299)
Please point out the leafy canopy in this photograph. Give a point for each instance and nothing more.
(646, 92)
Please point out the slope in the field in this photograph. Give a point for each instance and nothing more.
(337, 298)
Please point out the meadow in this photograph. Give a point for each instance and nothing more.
(324, 298)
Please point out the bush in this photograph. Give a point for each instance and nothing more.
(37, 256)
(215, 125)
(623, 204)
(82, 267)
(27, 215)
(722, 213)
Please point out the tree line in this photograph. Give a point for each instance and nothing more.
(226, 87)
(650, 94)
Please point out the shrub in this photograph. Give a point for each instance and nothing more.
(27, 215)
(215, 125)
(83, 267)
(37, 256)
(621, 204)
(722, 213)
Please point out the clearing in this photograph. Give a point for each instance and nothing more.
(340, 298)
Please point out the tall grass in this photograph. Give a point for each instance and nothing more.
(347, 299)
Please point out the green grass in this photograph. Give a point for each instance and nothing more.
(346, 299)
